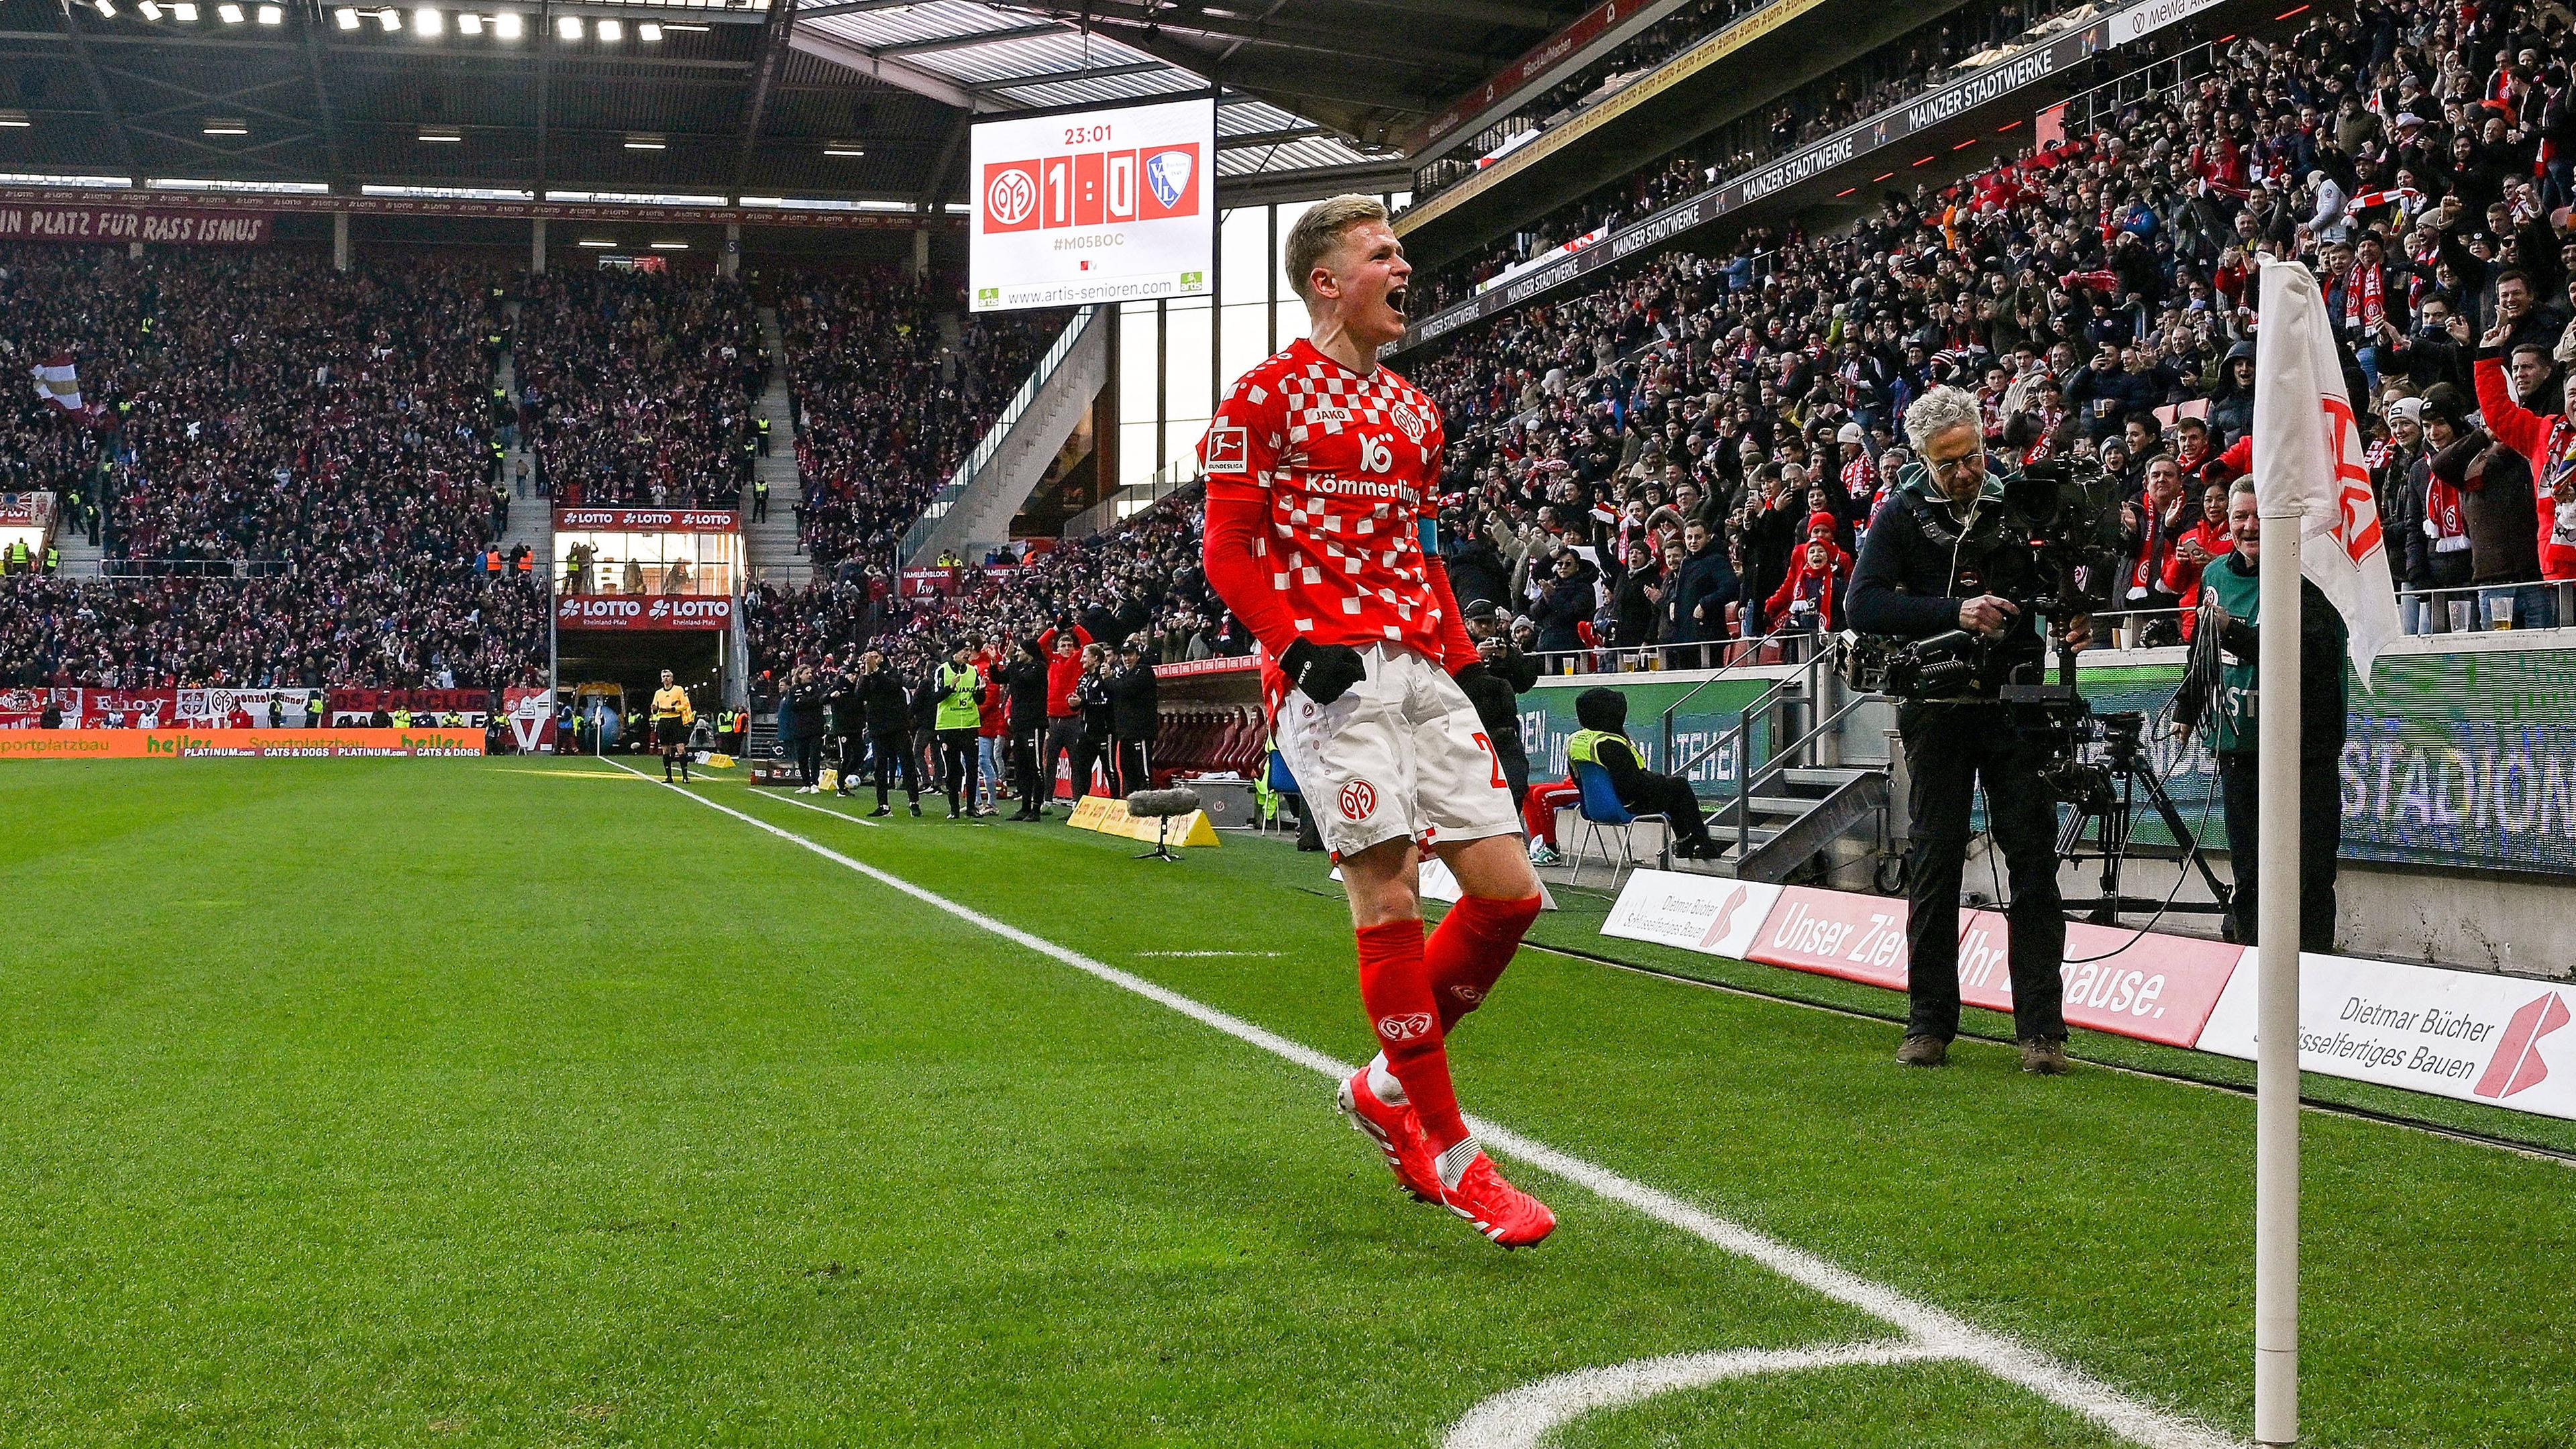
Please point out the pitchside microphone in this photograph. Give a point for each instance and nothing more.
(1160, 806)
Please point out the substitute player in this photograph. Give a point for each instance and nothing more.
(672, 716)
(1321, 466)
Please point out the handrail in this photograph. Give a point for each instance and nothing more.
(1021, 401)
(1778, 762)
(1751, 654)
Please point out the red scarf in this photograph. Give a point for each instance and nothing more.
(2364, 306)
(2443, 518)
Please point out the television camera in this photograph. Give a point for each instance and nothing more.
(2063, 562)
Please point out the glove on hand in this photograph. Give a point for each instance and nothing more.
(1322, 672)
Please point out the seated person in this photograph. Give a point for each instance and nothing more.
(1603, 714)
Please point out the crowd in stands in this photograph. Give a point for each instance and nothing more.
(311, 449)
(1694, 451)
(1929, 57)
(885, 408)
(637, 387)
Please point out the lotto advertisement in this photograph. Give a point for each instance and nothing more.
(1115, 205)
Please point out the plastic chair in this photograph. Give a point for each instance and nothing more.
(1597, 807)
(1283, 783)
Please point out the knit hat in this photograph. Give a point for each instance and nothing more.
(1825, 523)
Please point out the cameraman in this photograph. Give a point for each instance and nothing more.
(1939, 560)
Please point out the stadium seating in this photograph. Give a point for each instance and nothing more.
(637, 387)
(318, 441)
(2087, 285)
(885, 408)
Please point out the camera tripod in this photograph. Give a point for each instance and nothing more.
(2107, 799)
(2105, 795)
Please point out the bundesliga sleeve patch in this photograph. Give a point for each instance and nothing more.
(1228, 449)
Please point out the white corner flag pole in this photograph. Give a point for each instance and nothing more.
(2289, 444)
(2276, 1061)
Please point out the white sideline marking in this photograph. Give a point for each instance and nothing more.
(1524, 1417)
(1939, 1333)
(790, 799)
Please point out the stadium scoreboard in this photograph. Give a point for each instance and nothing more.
(1115, 204)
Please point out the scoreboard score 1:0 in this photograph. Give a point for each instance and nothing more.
(1091, 188)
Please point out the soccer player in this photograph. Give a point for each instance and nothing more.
(1320, 466)
(672, 716)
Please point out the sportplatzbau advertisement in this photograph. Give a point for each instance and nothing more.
(1113, 205)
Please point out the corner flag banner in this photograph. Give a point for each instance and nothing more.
(2308, 458)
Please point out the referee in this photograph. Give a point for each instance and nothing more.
(672, 716)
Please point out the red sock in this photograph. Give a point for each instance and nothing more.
(1395, 987)
(1470, 948)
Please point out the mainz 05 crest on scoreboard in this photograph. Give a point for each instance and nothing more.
(1114, 205)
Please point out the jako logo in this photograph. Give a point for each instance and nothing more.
(1404, 1028)
(2517, 1062)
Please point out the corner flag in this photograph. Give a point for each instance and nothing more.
(2308, 460)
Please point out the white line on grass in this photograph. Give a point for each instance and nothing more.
(1524, 1417)
(1939, 1333)
(789, 799)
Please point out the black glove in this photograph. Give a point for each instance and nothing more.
(1322, 672)
(1474, 671)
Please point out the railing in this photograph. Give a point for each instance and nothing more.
(1021, 401)
(1125, 503)
(2085, 111)
(186, 568)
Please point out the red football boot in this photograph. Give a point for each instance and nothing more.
(1396, 1131)
(1499, 1210)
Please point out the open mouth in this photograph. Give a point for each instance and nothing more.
(1395, 300)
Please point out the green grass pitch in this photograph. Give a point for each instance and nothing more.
(521, 1102)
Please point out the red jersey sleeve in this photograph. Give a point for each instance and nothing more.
(1240, 450)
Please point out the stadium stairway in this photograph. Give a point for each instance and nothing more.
(531, 520)
(771, 545)
(80, 556)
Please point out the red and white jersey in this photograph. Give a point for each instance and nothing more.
(1346, 467)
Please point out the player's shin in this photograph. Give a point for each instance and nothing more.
(1469, 949)
(1395, 987)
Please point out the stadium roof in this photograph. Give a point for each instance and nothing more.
(852, 99)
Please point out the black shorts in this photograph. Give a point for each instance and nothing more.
(670, 734)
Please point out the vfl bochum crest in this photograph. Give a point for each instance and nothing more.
(1169, 174)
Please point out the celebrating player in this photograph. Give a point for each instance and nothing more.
(1320, 467)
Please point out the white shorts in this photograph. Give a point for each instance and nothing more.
(1400, 755)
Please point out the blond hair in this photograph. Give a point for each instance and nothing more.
(1320, 230)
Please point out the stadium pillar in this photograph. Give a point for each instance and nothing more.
(340, 241)
(921, 250)
(537, 245)
(732, 263)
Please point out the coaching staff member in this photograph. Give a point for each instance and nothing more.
(1929, 566)
(2230, 599)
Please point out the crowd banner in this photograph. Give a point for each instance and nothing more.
(473, 707)
(1890, 127)
(243, 708)
(531, 713)
(2502, 1040)
(221, 744)
(133, 224)
(23, 708)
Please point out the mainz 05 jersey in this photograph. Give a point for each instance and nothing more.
(1344, 466)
